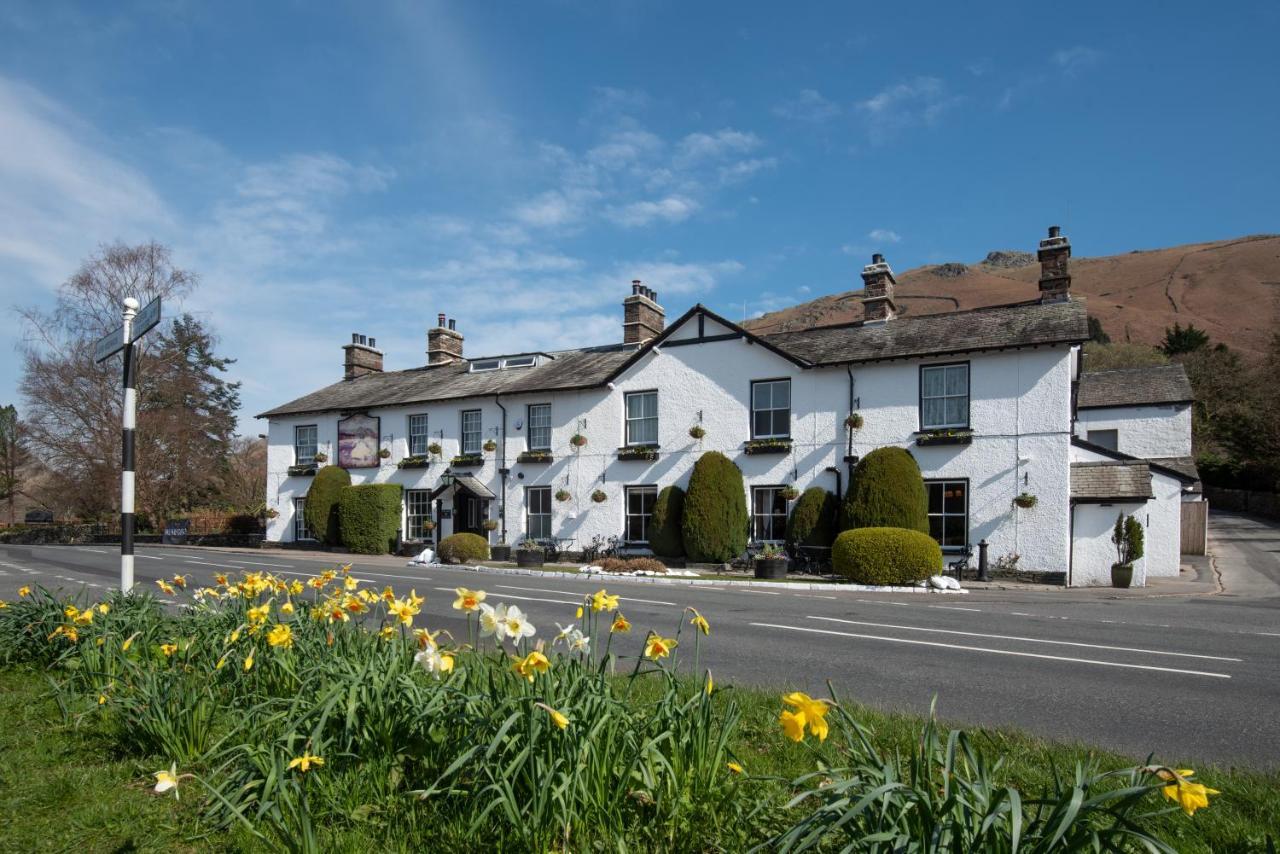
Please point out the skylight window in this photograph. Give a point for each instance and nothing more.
(507, 362)
(521, 362)
(486, 365)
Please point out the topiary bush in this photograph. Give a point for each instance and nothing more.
(714, 526)
(886, 556)
(460, 548)
(813, 518)
(887, 491)
(369, 517)
(666, 538)
(321, 508)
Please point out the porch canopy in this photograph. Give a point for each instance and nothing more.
(465, 483)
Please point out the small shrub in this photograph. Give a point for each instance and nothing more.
(887, 491)
(1129, 540)
(714, 526)
(886, 556)
(460, 548)
(321, 508)
(369, 517)
(665, 537)
(633, 564)
(813, 519)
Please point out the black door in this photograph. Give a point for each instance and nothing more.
(468, 513)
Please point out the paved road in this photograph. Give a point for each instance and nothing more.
(1189, 678)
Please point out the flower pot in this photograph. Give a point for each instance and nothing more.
(1121, 574)
(772, 567)
(528, 558)
(502, 553)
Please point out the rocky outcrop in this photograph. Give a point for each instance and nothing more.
(950, 270)
(1009, 259)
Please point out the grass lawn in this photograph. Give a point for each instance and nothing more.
(63, 788)
(572, 569)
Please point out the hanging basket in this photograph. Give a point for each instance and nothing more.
(697, 431)
(428, 525)
(853, 421)
(790, 493)
(384, 453)
(578, 440)
(1026, 501)
(321, 457)
(434, 449)
(563, 495)
(489, 524)
(490, 446)
(599, 496)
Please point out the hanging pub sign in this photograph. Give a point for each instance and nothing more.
(358, 442)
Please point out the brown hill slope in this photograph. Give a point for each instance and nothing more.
(1229, 288)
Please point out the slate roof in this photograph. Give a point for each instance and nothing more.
(1154, 385)
(992, 328)
(1110, 481)
(1185, 466)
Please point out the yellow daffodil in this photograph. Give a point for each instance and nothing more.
(281, 635)
(811, 712)
(415, 598)
(3, 604)
(100, 641)
(533, 663)
(259, 613)
(388, 595)
(24, 591)
(70, 612)
(164, 586)
(350, 583)
(305, 762)
(328, 575)
(403, 610)
(557, 718)
(620, 624)
(792, 724)
(84, 618)
(295, 587)
(128, 642)
(167, 780)
(179, 581)
(711, 684)
(1184, 792)
(578, 614)
(602, 601)
(104, 608)
(68, 632)
(248, 662)
(221, 661)
(736, 768)
(468, 600)
(220, 579)
(426, 638)
(286, 607)
(317, 583)
(387, 632)
(656, 646)
(168, 649)
(699, 622)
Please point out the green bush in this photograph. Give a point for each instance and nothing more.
(460, 548)
(321, 508)
(665, 535)
(886, 492)
(369, 516)
(886, 556)
(714, 526)
(813, 519)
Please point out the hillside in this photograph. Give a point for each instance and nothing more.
(1229, 288)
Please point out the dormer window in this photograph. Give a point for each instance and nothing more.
(504, 362)
(486, 365)
(520, 362)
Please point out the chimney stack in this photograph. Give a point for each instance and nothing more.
(444, 342)
(877, 294)
(642, 317)
(1055, 272)
(361, 357)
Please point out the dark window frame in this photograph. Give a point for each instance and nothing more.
(410, 496)
(751, 408)
(952, 549)
(549, 514)
(301, 533)
(968, 406)
(1115, 431)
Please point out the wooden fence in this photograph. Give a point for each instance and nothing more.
(1195, 527)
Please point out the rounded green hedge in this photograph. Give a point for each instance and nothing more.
(886, 556)
(887, 491)
(813, 518)
(369, 516)
(714, 527)
(666, 538)
(321, 508)
(460, 548)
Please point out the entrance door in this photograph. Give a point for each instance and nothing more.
(469, 512)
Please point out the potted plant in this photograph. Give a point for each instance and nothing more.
(563, 495)
(534, 457)
(384, 453)
(321, 457)
(490, 446)
(770, 562)
(1025, 500)
(501, 551)
(697, 432)
(529, 553)
(578, 440)
(414, 461)
(853, 421)
(599, 496)
(790, 493)
(1127, 537)
(434, 449)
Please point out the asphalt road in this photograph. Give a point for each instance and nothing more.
(1189, 678)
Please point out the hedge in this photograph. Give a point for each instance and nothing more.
(369, 515)
(714, 526)
(460, 548)
(666, 538)
(886, 556)
(321, 508)
(886, 492)
(813, 518)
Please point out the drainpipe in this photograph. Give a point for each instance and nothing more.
(848, 454)
(1071, 542)
(502, 470)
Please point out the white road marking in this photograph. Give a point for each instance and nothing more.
(1267, 634)
(884, 602)
(953, 608)
(147, 557)
(219, 565)
(87, 549)
(1025, 639)
(814, 596)
(765, 592)
(528, 598)
(956, 647)
(624, 597)
(361, 574)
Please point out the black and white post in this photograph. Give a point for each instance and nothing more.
(130, 417)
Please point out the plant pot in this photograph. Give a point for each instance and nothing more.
(773, 567)
(527, 558)
(1121, 574)
(502, 553)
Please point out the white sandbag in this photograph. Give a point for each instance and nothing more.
(426, 557)
(938, 582)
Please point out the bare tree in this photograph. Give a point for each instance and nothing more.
(14, 457)
(245, 483)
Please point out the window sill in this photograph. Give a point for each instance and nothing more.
(767, 446)
(535, 457)
(417, 461)
(467, 460)
(948, 436)
(307, 470)
(638, 453)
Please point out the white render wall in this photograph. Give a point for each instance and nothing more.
(1142, 431)
(1019, 412)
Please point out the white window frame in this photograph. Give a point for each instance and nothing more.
(543, 502)
(756, 386)
(641, 490)
(424, 435)
(471, 442)
(764, 524)
(413, 500)
(542, 410)
(299, 457)
(942, 483)
(638, 422)
(300, 531)
(946, 371)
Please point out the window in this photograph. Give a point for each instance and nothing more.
(304, 444)
(949, 512)
(520, 362)
(537, 512)
(771, 409)
(417, 505)
(419, 435)
(486, 365)
(1109, 439)
(944, 396)
(642, 418)
(300, 530)
(768, 514)
(640, 500)
(471, 431)
(539, 426)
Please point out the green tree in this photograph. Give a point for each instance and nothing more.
(886, 491)
(666, 536)
(813, 518)
(1179, 340)
(369, 516)
(321, 508)
(715, 511)
(13, 456)
(1096, 332)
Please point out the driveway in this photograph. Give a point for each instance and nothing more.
(1247, 554)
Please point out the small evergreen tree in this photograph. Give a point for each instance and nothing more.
(1129, 539)
(886, 491)
(813, 519)
(1096, 332)
(321, 507)
(1178, 340)
(666, 537)
(714, 526)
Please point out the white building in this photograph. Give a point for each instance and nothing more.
(983, 398)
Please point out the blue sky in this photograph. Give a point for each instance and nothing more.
(330, 168)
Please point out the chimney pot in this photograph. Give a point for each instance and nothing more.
(440, 320)
(877, 258)
(373, 342)
(1055, 269)
(359, 358)
(1055, 231)
(642, 317)
(355, 337)
(453, 324)
(877, 292)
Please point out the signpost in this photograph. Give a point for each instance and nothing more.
(136, 324)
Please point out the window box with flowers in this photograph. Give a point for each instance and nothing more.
(307, 470)
(415, 461)
(467, 460)
(767, 446)
(535, 457)
(944, 437)
(638, 453)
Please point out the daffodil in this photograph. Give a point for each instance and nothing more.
(355, 605)
(24, 591)
(699, 622)
(602, 601)
(656, 646)
(533, 663)
(68, 632)
(350, 583)
(516, 625)
(286, 607)
(305, 762)
(468, 600)
(426, 638)
(811, 712)
(104, 608)
(557, 718)
(386, 633)
(620, 624)
(403, 610)
(736, 768)
(711, 684)
(167, 780)
(248, 662)
(434, 661)
(70, 612)
(179, 581)
(84, 618)
(281, 635)
(295, 587)
(220, 579)
(1184, 792)
(259, 613)
(128, 642)
(168, 649)
(792, 724)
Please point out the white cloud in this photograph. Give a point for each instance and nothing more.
(670, 209)
(884, 235)
(808, 106)
(705, 146)
(915, 102)
(1075, 59)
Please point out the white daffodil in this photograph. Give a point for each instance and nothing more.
(166, 780)
(434, 661)
(578, 642)
(516, 624)
(493, 621)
